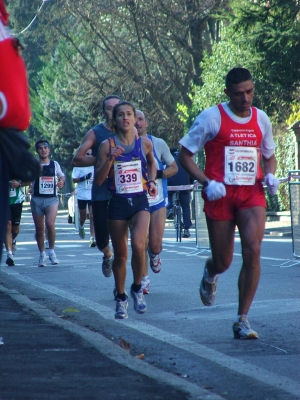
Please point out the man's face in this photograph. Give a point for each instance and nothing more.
(141, 124)
(108, 108)
(43, 151)
(241, 97)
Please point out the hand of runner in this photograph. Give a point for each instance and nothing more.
(152, 189)
(272, 183)
(215, 190)
(115, 152)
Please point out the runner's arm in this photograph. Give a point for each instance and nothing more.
(105, 160)
(270, 165)
(186, 160)
(80, 158)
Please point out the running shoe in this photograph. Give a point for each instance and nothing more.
(46, 243)
(14, 247)
(53, 259)
(155, 263)
(208, 291)
(107, 266)
(140, 305)
(81, 232)
(42, 261)
(186, 233)
(242, 329)
(10, 261)
(146, 286)
(92, 242)
(121, 309)
(115, 293)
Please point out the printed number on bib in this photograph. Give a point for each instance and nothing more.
(240, 165)
(46, 185)
(128, 177)
(88, 184)
(12, 192)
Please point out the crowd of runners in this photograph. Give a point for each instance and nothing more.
(122, 174)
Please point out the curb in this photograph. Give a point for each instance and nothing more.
(111, 351)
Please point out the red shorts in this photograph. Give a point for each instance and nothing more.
(237, 198)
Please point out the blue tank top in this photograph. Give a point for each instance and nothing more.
(100, 192)
(135, 153)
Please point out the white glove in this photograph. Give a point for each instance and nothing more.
(272, 183)
(215, 190)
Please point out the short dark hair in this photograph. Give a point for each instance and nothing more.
(237, 75)
(111, 96)
(37, 144)
(174, 150)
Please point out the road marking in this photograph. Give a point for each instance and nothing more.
(266, 377)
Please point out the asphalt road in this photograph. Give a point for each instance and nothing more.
(177, 335)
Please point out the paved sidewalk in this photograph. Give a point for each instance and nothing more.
(45, 357)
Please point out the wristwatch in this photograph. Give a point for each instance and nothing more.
(205, 183)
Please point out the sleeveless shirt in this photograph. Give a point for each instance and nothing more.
(231, 133)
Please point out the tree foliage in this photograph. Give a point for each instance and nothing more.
(272, 28)
(148, 52)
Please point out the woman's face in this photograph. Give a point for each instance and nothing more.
(125, 118)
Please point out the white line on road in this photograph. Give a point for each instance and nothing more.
(234, 364)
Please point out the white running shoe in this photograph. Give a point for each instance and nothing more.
(242, 329)
(155, 263)
(53, 259)
(42, 261)
(140, 305)
(121, 309)
(146, 285)
(92, 242)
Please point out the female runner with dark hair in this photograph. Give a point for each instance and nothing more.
(129, 163)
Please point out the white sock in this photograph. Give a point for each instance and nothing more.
(238, 317)
(51, 251)
(208, 278)
(9, 254)
(43, 253)
(145, 278)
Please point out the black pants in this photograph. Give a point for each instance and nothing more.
(100, 223)
(184, 199)
(4, 196)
